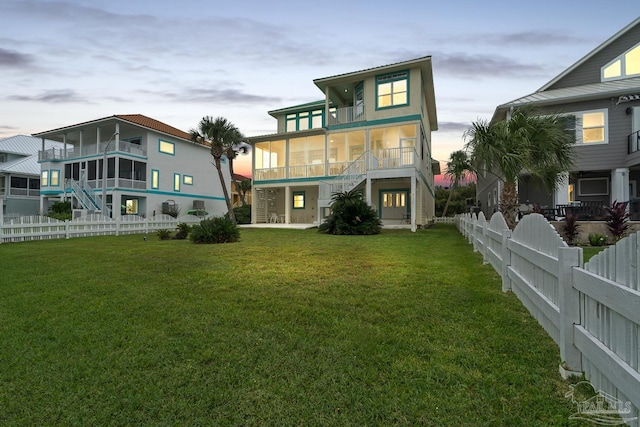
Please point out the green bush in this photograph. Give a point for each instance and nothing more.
(183, 231)
(243, 214)
(163, 234)
(596, 239)
(60, 210)
(350, 214)
(215, 230)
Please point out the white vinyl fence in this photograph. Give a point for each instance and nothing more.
(592, 311)
(41, 227)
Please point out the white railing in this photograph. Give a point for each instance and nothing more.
(27, 192)
(85, 195)
(41, 227)
(270, 173)
(74, 151)
(592, 311)
(347, 115)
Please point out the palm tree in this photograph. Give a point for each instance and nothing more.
(225, 140)
(244, 187)
(458, 167)
(526, 143)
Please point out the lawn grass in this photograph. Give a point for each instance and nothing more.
(286, 327)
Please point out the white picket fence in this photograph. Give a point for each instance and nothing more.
(592, 311)
(41, 227)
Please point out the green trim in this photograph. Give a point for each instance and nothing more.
(366, 123)
(173, 144)
(397, 190)
(158, 176)
(288, 180)
(95, 156)
(397, 79)
(184, 179)
(42, 178)
(51, 184)
(293, 199)
(169, 193)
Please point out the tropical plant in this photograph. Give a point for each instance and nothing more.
(458, 167)
(243, 214)
(617, 219)
(60, 210)
(183, 231)
(462, 200)
(225, 139)
(163, 234)
(215, 230)
(596, 239)
(350, 214)
(244, 187)
(571, 228)
(526, 143)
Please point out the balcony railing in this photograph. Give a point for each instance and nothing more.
(28, 192)
(347, 115)
(633, 142)
(73, 152)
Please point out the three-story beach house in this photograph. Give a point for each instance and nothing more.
(138, 165)
(371, 132)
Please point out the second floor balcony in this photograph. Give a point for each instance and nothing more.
(346, 115)
(74, 151)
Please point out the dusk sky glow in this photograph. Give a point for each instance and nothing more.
(66, 62)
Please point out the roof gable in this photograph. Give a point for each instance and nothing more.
(587, 69)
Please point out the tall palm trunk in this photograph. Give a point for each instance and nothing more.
(227, 199)
(446, 205)
(509, 203)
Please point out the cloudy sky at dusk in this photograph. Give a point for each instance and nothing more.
(65, 62)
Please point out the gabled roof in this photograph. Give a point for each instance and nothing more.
(591, 54)
(136, 119)
(25, 165)
(296, 108)
(25, 145)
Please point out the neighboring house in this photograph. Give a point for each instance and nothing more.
(20, 175)
(151, 168)
(236, 199)
(602, 92)
(372, 132)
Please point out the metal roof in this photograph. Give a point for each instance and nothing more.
(24, 165)
(26, 145)
(609, 89)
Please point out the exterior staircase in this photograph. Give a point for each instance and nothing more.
(352, 176)
(87, 197)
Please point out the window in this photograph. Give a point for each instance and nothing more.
(166, 147)
(131, 207)
(392, 90)
(187, 180)
(593, 186)
(55, 177)
(44, 179)
(624, 65)
(298, 199)
(304, 120)
(155, 179)
(591, 127)
(3, 158)
(176, 181)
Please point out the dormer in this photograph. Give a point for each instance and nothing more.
(623, 66)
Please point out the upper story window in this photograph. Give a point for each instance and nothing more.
(166, 147)
(591, 127)
(625, 65)
(304, 120)
(392, 90)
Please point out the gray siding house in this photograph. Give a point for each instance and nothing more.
(151, 168)
(602, 92)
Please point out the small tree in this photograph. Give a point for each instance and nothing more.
(350, 214)
(617, 217)
(60, 210)
(458, 167)
(244, 187)
(571, 228)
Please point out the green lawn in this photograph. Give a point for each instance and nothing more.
(286, 327)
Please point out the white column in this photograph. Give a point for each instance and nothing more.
(64, 141)
(413, 205)
(117, 141)
(367, 192)
(287, 204)
(620, 185)
(326, 107)
(98, 140)
(81, 140)
(562, 192)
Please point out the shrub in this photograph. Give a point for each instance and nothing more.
(596, 239)
(243, 214)
(617, 217)
(215, 230)
(350, 214)
(571, 228)
(163, 234)
(60, 210)
(183, 231)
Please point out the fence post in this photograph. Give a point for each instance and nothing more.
(569, 306)
(506, 260)
(67, 224)
(118, 225)
(1, 227)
